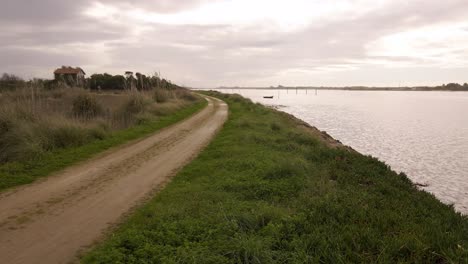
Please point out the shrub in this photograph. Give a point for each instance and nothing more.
(143, 118)
(166, 109)
(186, 95)
(86, 106)
(68, 136)
(161, 95)
(99, 133)
(189, 96)
(20, 142)
(135, 104)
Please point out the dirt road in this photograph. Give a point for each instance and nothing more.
(52, 220)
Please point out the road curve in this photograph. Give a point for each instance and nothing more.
(52, 220)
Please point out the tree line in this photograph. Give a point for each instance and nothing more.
(97, 82)
(128, 82)
(454, 87)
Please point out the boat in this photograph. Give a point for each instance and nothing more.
(268, 97)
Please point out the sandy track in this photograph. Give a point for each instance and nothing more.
(52, 220)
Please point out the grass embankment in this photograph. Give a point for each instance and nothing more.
(269, 190)
(63, 127)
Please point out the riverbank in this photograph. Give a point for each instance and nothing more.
(38, 141)
(419, 133)
(269, 189)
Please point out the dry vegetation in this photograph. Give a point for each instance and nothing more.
(35, 120)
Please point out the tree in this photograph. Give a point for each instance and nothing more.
(10, 78)
(107, 82)
(453, 86)
(139, 81)
(11, 82)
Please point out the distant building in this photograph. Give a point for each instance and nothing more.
(71, 76)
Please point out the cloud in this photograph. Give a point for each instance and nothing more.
(161, 6)
(44, 12)
(442, 45)
(255, 42)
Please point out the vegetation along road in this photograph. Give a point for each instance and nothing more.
(52, 220)
(272, 189)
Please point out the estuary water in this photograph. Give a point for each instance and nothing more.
(423, 134)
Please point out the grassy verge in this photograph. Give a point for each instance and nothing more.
(267, 190)
(18, 173)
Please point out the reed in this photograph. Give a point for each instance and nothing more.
(34, 120)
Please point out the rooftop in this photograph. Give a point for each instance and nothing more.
(68, 70)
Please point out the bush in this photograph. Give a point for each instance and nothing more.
(86, 106)
(189, 97)
(99, 133)
(135, 105)
(186, 95)
(161, 95)
(25, 140)
(21, 140)
(164, 109)
(67, 136)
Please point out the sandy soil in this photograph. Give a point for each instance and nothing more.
(51, 221)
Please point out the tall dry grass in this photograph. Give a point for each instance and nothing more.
(34, 120)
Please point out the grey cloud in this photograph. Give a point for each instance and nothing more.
(163, 6)
(230, 56)
(40, 38)
(346, 39)
(38, 57)
(42, 12)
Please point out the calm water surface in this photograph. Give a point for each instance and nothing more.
(424, 134)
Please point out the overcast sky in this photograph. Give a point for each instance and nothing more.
(208, 43)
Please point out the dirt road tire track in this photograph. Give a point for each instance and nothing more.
(52, 220)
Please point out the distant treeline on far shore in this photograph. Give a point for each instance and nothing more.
(94, 82)
(444, 87)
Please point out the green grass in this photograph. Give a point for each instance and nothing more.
(267, 191)
(18, 173)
